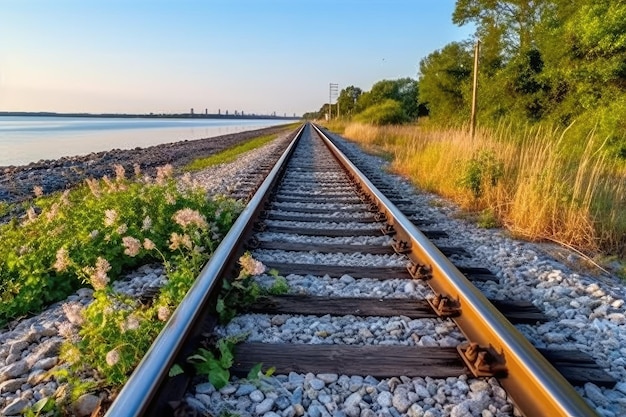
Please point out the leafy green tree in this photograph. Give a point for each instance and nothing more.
(513, 21)
(404, 91)
(347, 99)
(444, 81)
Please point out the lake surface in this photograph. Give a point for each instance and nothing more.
(25, 139)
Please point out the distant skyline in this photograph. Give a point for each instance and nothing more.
(256, 56)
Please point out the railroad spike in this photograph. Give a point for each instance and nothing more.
(401, 247)
(417, 271)
(380, 217)
(483, 361)
(445, 306)
(388, 229)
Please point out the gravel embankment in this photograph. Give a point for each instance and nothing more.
(587, 313)
(17, 182)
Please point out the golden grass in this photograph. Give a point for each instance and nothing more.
(535, 183)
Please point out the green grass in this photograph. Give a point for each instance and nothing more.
(228, 155)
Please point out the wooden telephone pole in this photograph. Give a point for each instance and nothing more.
(474, 91)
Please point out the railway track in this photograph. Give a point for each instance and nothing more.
(377, 319)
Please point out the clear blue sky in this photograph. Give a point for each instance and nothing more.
(259, 56)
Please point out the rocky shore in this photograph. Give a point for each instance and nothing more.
(17, 182)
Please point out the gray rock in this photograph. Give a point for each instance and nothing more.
(415, 410)
(46, 349)
(85, 405)
(257, 396)
(353, 411)
(478, 386)
(15, 407)
(317, 384)
(421, 391)
(461, 410)
(353, 400)
(12, 385)
(265, 406)
(12, 358)
(384, 399)
(205, 400)
(400, 400)
(36, 376)
(46, 363)
(244, 389)
(282, 402)
(296, 396)
(328, 378)
(18, 347)
(195, 404)
(315, 411)
(595, 394)
(205, 388)
(228, 389)
(13, 370)
(289, 411)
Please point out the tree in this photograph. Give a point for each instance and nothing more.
(444, 81)
(513, 22)
(347, 99)
(404, 91)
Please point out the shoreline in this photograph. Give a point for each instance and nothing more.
(17, 181)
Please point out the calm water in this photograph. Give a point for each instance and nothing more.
(25, 139)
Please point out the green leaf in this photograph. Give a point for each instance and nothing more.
(219, 377)
(226, 355)
(270, 371)
(254, 372)
(39, 405)
(176, 369)
(220, 307)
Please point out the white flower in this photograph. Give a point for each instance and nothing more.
(110, 216)
(147, 224)
(62, 260)
(163, 313)
(188, 217)
(250, 266)
(131, 246)
(148, 244)
(112, 357)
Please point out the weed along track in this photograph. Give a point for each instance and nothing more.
(346, 308)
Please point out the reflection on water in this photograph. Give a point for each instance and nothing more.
(26, 139)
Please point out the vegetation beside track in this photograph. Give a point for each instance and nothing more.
(538, 183)
(230, 154)
(87, 237)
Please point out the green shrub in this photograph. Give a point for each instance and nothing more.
(385, 113)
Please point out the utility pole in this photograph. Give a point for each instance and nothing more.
(474, 91)
(332, 89)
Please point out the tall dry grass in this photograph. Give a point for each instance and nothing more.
(533, 182)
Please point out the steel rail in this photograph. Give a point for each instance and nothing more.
(134, 398)
(535, 386)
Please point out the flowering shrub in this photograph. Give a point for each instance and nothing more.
(89, 235)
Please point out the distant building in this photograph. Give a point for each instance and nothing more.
(192, 111)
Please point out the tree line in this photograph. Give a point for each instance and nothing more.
(561, 62)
